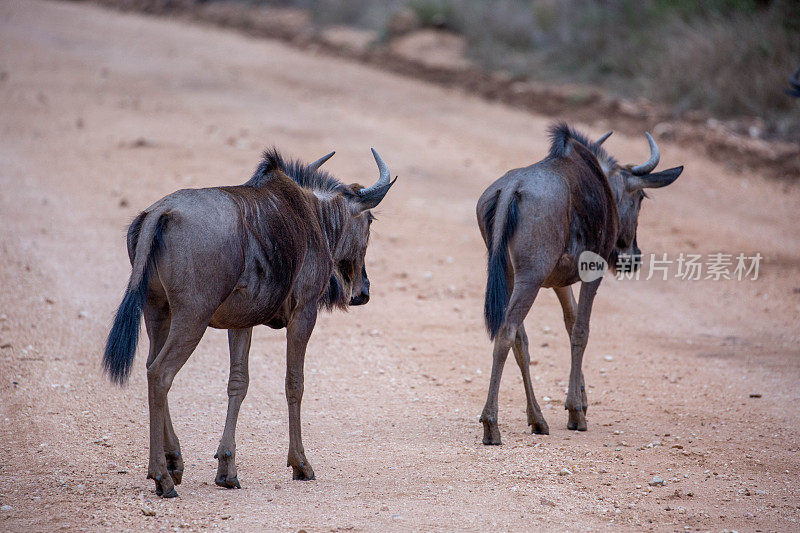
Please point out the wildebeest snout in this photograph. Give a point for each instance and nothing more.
(363, 296)
(630, 261)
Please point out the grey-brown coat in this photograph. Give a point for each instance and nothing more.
(536, 222)
(272, 251)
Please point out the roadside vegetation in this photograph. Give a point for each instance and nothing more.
(730, 58)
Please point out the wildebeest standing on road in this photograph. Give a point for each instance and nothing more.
(272, 251)
(536, 221)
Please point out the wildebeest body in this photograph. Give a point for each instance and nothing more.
(272, 251)
(536, 222)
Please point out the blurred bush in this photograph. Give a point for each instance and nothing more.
(731, 58)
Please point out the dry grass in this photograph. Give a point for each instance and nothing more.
(738, 65)
(730, 58)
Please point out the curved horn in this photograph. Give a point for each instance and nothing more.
(372, 196)
(318, 163)
(602, 139)
(655, 155)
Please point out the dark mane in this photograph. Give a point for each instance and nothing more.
(561, 134)
(278, 219)
(317, 180)
(594, 221)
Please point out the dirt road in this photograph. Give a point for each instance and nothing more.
(102, 113)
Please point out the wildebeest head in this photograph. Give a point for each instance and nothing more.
(343, 212)
(628, 184)
(352, 246)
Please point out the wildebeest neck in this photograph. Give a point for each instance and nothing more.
(594, 221)
(332, 213)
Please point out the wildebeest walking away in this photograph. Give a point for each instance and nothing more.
(536, 222)
(272, 251)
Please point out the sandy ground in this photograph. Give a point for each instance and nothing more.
(102, 113)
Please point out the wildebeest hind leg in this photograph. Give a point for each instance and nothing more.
(238, 381)
(519, 304)
(184, 334)
(157, 321)
(523, 357)
(172, 448)
(298, 332)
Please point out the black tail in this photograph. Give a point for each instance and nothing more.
(497, 289)
(124, 335)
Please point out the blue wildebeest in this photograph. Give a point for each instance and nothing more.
(273, 251)
(536, 221)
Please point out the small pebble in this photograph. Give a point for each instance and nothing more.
(147, 511)
(565, 472)
(6, 508)
(657, 482)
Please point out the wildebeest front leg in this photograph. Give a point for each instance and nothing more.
(522, 354)
(576, 395)
(518, 306)
(298, 332)
(568, 307)
(238, 381)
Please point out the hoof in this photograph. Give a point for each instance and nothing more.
(491, 433)
(228, 483)
(577, 420)
(176, 475)
(299, 475)
(540, 428)
(163, 487)
(175, 466)
(227, 476)
(303, 473)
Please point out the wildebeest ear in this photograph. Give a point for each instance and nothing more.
(654, 180)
